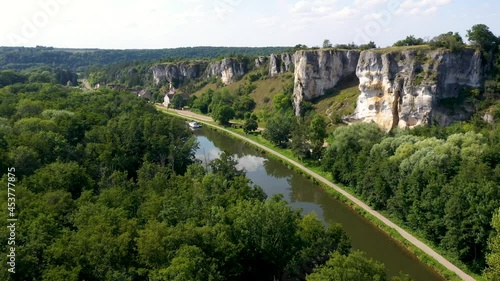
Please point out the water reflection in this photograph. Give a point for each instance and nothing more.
(250, 163)
(300, 192)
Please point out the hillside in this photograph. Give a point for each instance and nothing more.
(80, 59)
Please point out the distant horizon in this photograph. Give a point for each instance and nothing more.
(167, 48)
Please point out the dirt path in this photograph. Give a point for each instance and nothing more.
(191, 114)
(196, 115)
(358, 202)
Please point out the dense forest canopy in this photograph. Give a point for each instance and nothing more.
(81, 59)
(107, 188)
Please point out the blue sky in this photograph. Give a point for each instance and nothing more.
(123, 24)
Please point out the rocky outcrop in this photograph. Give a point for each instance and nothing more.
(228, 70)
(320, 70)
(260, 62)
(406, 88)
(280, 64)
(175, 73)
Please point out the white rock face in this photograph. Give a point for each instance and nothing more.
(228, 70)
(260, 61)
(280, 64)
(403, 89)
(320, 70)
(172, 73)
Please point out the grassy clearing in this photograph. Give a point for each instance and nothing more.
(206, 87)
(339, 101)
(266, 88)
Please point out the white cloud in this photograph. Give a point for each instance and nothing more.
(307, 12)
(300, 7)
(250, 163)
(373, 16)
(267, 21)
(416, 7)
(315, 8)
(367, 4)
(345, 13)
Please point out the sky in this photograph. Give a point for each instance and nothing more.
(155, 24)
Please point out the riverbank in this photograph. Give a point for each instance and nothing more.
(416, 246)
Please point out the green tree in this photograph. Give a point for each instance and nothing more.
(220, 98)
(370, 45)
(268, 233)
(25, 160)
(10, 77)
(317, 135)
(189, 264)
(100, 248)
(317, 242)
(279, 129)
(300, 143)
(299, 47)
(28, 108)
(60, 176)
(348, 150)
(450, 40)
(493, 271)
(203, 103)
(481, 36)
(243, 104)
(327, 44)
(191, 100)
(177, 101)
(282, 102)
(250, 125)
(42, 77)
(353, 267)
(223, 114)
(410, 41)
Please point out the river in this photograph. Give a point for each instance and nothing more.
(275, 177)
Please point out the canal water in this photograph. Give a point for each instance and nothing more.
(300, 192)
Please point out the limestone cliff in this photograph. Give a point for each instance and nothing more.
(174, 73)
(319, 70)
(228, 70)
(405, 88)
(260, 62)
(280, 64)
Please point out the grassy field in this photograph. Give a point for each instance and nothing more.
(264, 92)
(339, 101)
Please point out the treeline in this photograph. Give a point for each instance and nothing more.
(107, 188)
(41, 74)
(442, 183)
(224, 105)
(80, 59)
(129, 74)
(445, 187)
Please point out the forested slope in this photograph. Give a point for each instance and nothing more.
(80, 59)
(107, 188)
